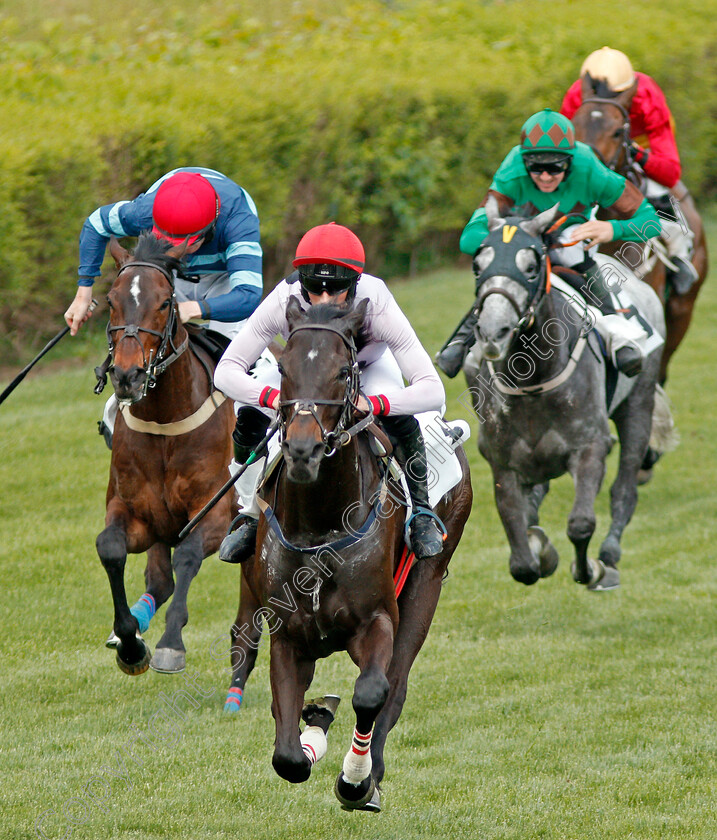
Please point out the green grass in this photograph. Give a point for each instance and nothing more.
(542, 712)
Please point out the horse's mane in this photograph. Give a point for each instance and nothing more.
(151, 249)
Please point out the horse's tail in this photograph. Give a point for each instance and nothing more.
(664, 437)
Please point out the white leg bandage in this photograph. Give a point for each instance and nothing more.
(357, 763)
(678, 239)
(313, 743)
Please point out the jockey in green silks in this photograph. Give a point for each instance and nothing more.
(549, 167)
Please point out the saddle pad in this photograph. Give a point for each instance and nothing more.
(621, 301)
(444, 469)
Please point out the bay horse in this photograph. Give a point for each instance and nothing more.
(170, 453)
(604, 125)
(328, 545)
(540, 393)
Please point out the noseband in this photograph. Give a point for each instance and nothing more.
(152, 366)
(624, 145)
(340, 436)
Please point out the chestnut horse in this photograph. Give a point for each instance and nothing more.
(604, 125)
(170, 453)
(328, 547)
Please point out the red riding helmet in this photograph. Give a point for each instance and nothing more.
(186, 205)
(329, 258)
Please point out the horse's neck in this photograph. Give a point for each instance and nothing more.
(180, 389)
(340, 496)
(547, 355)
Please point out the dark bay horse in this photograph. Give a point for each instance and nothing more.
(170, 452)
(604, 125)
(540, 393)
(327, 549)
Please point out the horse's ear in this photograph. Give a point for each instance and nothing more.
(355, 318)
(294, 313)
(119, 254)
(587, 87)
(178, 251)
(540, 223)
(492, 212)
(625, 98)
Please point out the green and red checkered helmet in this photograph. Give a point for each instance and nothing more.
(547, 132)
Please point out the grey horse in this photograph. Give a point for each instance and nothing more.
(544, 394)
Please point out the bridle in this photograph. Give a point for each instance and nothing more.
(155, 363)
(340, 435)
(624, 145)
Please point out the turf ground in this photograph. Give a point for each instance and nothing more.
(543, 712)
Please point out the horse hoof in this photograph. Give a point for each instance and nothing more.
(168, 661)
(356, 797)
(136, 668)
(113, 641)
(321, 711)
(596, 571)
(644, 477)
(609, 580)
(543, 549)
(526, 574)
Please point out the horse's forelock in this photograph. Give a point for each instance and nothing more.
(151, 249)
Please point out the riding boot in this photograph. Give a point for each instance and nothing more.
(679, 240)
(625, 353)
(410, 449)
(249, 431)
(453, 353)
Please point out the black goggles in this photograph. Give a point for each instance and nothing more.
(333, 279)
(552, 167)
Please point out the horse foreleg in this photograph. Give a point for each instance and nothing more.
(678, 314)
(417, 606)
(513, 510)
(170, 657)
(245, 636)
(633, 428)
(372, 652)
(290, 678)
(587, 468)
(133, 655)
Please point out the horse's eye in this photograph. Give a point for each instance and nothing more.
(344, 372)
(110, 304)
(281, 369)
(484, 258)
(617, 134)
(528, 263)
(165, 305)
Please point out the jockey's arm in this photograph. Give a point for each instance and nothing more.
(477, 228)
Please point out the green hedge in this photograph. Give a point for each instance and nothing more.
(390, 117)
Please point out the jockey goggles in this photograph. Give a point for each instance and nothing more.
(551, 164)
(334, 279)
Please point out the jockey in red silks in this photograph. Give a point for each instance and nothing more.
(608, 74)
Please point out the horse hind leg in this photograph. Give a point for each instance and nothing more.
(633, 427)
(170, 656)
(133, 655)
(245, 637)
(355, 786)
(588, 471)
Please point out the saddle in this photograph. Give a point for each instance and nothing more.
(213, 343)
